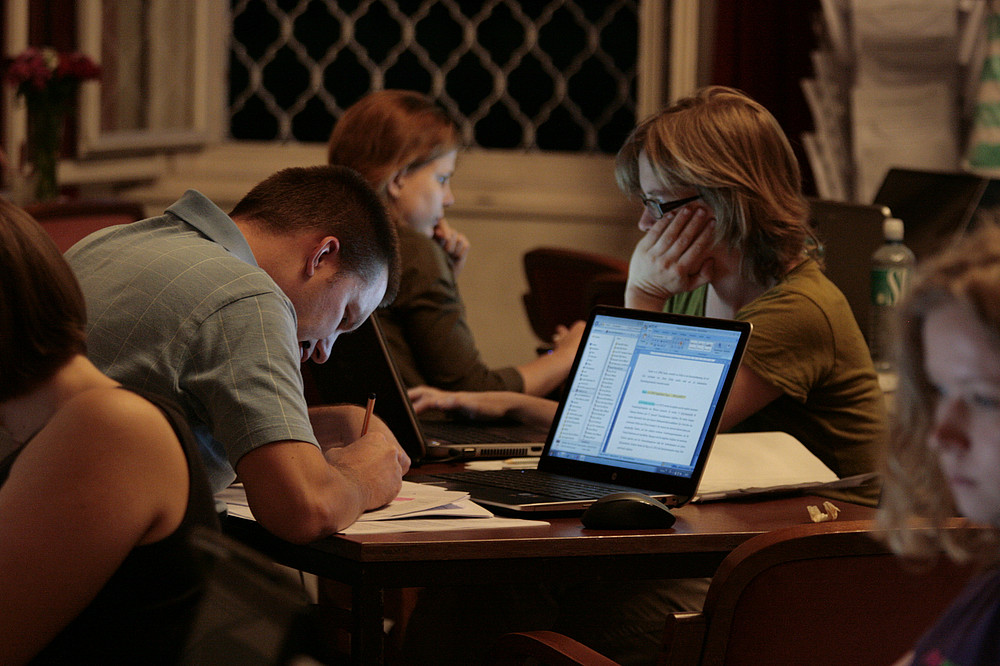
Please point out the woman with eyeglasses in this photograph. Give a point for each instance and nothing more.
(406, 146)
(726, 235)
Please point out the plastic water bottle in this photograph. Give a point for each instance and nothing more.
(892, 267)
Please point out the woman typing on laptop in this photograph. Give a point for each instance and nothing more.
(725, 235)
(406, 146)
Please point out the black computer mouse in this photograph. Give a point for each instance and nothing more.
(627, 511)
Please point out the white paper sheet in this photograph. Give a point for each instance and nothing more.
(740, 461)
(417, 508)
(909, 126)
(905, 42)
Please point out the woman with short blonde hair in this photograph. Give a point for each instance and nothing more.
(733, 152)
(726, 234)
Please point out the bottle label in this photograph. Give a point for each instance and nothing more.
(888, 285)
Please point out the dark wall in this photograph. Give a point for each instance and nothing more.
(52, 23)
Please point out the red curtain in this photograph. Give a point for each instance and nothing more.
(762, 48)
(53, 23)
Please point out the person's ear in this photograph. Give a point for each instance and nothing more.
(395, 186)
(326, 250)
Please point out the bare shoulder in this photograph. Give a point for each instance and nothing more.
(107, 410)
(112, 422)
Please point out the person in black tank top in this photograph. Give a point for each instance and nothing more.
(99, 486)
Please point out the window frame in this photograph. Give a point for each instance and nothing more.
(113, 159)
(210, 18)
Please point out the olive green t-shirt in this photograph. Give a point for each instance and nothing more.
(806, 342)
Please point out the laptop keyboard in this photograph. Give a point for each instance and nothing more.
(454, 433)
(533, 481)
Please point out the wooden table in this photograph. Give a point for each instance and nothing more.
(563, 550)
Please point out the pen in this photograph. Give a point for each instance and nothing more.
(520, 463)
(368, 413)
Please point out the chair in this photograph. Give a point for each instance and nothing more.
(250, 612)
(813, 594)
(849, 234)
(564, 284)
(69, 221)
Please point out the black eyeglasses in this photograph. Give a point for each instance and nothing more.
(659, 209)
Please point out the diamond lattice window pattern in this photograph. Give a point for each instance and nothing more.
(548, 75)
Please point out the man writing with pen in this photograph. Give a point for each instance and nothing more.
(217, 311)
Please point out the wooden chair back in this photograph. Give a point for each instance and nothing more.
(564, 285)
(814, 594)
(849, 233)
(817, 594)
(69, 221)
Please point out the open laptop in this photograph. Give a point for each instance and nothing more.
(935, 206)
(640, 413)
(360, 364)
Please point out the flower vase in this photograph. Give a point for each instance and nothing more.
(45, 132)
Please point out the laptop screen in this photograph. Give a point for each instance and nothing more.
(935, 206)
(645, 393)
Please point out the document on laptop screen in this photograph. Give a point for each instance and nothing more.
(644, 394)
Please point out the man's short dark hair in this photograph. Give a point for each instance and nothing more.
(335, 201)
(42, 311)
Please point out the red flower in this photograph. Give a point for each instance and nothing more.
(78, 66)
(40, 70)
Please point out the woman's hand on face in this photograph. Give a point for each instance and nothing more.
(454, 243)
(673, 257)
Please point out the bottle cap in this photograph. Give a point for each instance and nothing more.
(892, 229)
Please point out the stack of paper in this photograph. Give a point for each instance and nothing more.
(417, 508)
(904, 104)
(751, 463)
(895, 83)
(826, 93)
(827, 146)
(747, 463)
